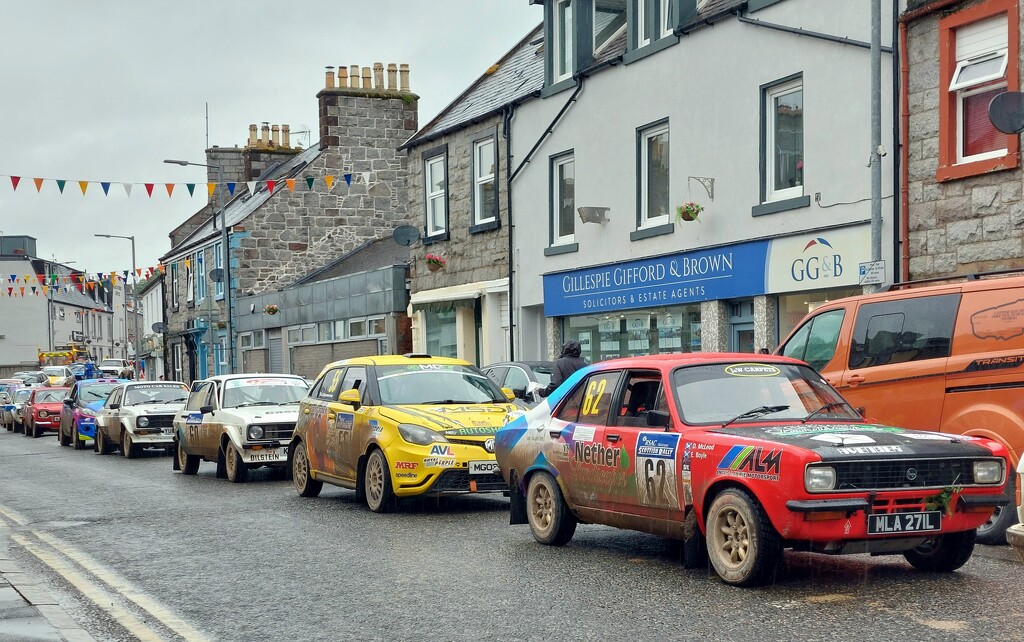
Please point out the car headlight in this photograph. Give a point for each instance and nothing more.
(255, 432)
(819, 478)
(988, 471)
(88, 412)
(43, 414)
(142, 422)
(419, 435)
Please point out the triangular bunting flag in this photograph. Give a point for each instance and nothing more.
(41, 277)
(138, 272)
(46, 290)
(270, 186)
(33, 290)
(106, 188)
(149, 189)
(125, 273)
(191, 187)
(170, 188)
(330, 181)
(84, 185)
(366, 178)
(188, 263)
(39, 183)
(209, 189)
(14, 278)
(127, 188)
(14, 181)
(252, 187)
(309, 182)
(231, 188)
(60, 185)
(22, 288)
(348, 179)
(10, 291)
(290, 182)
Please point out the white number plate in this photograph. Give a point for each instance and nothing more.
(265, 455)
(893, 523)
(483, 467)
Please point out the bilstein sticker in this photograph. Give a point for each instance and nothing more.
(752, 370)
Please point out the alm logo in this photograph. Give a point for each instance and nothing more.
(819, 261)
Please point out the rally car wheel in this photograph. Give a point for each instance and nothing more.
(188, 464)
(944, 553)
(36, 431)
(76, 437)
(742, 544)
(128, 448)
(994, 530)
(19, 427)
(64, 441)
(102, 445)
(235, 468)
(550, 519)
(377, 482)
(304, 483)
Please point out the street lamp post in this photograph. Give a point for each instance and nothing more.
(135, 299)
(226, 261)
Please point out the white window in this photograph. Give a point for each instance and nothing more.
(609, 21)
(190, 280)
(563, 200)
(258, 338)
(437, 197)
(176, 362)
(245, 341)
(251, 340)
(356, 328)
(668, 17)
(99, 328)
(375, 327)
(302, 334)
(654, 176)
(979, 76)
(562, 52)
(200, 275)
(325, 332)
(784, 141)
(222, 354)
(643, 27)
(174, 286)
(218, 263)
(485, 197)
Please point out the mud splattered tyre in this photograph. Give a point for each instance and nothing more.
(551, 521)
(236, 470)
(380, 498)
(943, 554)
(103, 447)
(128, 447)
(743, 546)
(76, 437)
(305, 485)
(187, 464)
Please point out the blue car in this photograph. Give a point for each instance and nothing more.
(83, 403)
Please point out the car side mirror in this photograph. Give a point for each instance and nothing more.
(206, 409)
(114, 406)
(509, 394)
(658, 419)
(69, 402)
(351, 398)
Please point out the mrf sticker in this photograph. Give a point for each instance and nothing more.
(656, 479)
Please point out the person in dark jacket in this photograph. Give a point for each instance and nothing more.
(567, 363)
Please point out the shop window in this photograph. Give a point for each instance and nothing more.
(563, 200)
(906, 330)
(815, 342)
(653, 171)
(636, 333)
(783, 137)
(441, 333)
(978, 62)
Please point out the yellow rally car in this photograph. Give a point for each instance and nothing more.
(398, 426)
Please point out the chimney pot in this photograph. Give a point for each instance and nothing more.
(378, 75)
(403, 71)
(343, 76)
(265, 134)
(252, 135)
(393, 76)
(353, 76)
(329, 78)
(286, 136)
(367, 83)
(275, 137)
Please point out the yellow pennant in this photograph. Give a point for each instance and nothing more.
(330, 181)
(84, 185)
(210, 187)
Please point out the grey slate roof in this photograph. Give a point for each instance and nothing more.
(72, 296)
(371, 255)
(520, 74)
(241, 206)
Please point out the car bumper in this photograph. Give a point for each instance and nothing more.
(157, 438)
(47, 425)
(86, 429)
(465, 469)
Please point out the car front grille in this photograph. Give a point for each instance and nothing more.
(160, 421)
(281, 432)
(889, 474)
(457, 480)
(466, 442)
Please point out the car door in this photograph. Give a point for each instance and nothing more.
(67, 410)
(351, 426)
(315, 414)
(518, 382)
(192, 432)
(591, 467)
(107, 417)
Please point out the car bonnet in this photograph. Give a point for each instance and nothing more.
(454, 419)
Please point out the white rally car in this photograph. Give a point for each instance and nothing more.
(139, 415)
(239, 421)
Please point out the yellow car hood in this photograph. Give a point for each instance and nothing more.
(457, 420)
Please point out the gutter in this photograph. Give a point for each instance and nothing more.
(810, 34)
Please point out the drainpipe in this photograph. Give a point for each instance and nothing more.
(899, 211)
(507, 133)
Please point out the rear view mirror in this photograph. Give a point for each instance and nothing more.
(658, 419)
(350, 397)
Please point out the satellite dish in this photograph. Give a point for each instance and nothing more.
(217, 275)
(1006, 111)
(159, 327)
(406, 235)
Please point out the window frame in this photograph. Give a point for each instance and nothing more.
(769, 94)
(951, 164)
(482, 221)
(559, 39)
(555, 197)
(190, 282)
(200, 263)
(643, 135)
(430, 232)
(218, 264)
(599, 47)
(175, 283)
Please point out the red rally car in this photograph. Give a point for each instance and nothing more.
(42, 411)
(741, 456)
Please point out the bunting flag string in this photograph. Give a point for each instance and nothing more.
(231, 186)
(25, 285)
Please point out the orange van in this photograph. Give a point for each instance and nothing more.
(945, 357)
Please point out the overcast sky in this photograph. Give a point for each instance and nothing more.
(104, 91)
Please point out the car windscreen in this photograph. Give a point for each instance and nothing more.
(50, 396)
(720, 392)
(111, 363)
(22, 395)
(263, 391)
(431, 383)
(55, 371)
(144, 393)
(95, 392)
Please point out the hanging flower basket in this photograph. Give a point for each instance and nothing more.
(689, 211)
(435, 262)
(271, 309)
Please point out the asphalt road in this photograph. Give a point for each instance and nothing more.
(194, 557)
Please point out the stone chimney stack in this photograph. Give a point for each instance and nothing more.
(344, 118)
(275, 136)
(265, 134)
(286, 136)
(252, 135)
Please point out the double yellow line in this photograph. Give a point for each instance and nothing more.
(110, 592)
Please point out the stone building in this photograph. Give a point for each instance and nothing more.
(961, 176)
(300, 211)
(458, 175)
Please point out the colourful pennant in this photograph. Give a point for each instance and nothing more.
(39, 183)
(14, 181)
(60, 185)
(83, 185)
(330, 181)
(170, 188)
(191, 187)
(348, 179)
(252, 187)
(270, 186)
(106, 188)
(209, 189)
(309, 182)
(290, 182)
(231, 188)
(149, 189)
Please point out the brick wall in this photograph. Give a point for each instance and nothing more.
(253, 360)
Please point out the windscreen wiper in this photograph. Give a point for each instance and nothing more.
(829, 406)
(756, 412)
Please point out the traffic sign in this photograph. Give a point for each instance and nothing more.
(872, 273)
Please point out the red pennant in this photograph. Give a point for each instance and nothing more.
(15, 180)
(270, 186)
(149, 189)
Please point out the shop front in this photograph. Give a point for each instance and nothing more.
(468, 321)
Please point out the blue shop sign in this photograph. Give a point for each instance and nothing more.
(690, 277)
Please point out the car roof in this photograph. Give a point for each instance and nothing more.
(397, 360)
(89, 382)
(250, 375)
(674, 359)
(146, 382)
(528, 364)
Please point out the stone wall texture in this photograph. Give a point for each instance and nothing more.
(959, 226)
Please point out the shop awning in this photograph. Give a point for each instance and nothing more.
(455, 296)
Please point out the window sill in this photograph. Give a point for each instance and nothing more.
(977, 168)
(650, 232)
(437, 238)
(781, 206)
(568, 248)
(558, 87)
(484, 227)
(652, 48)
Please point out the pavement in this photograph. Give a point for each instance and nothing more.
(28, 611)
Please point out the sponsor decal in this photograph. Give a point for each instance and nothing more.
(1003, 322)
(559, 452)
(345, 421)
(483, 467)
(583, 433)
(600, 455)
(470, 431)
(194, 418)
(751, 462)
(843, 440)
(799, 431)
(752, 370)
(870, 450)
(406, 475)
(237, 383)
(995, 363)
(442, 451)
(405, 465)
(439, 462)
(656, 469)
(375, 428)
(155, 386)
(449, 410)
(265, 455)
(930, 436)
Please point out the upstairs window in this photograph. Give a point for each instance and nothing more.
(654, 175)
(435, 175)
(784, 140)
(218, 263)
(609, 20)
(174, 285)
(563, 200)
(562, 51)
(200, 264)
(485, 197)
(668, 18)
